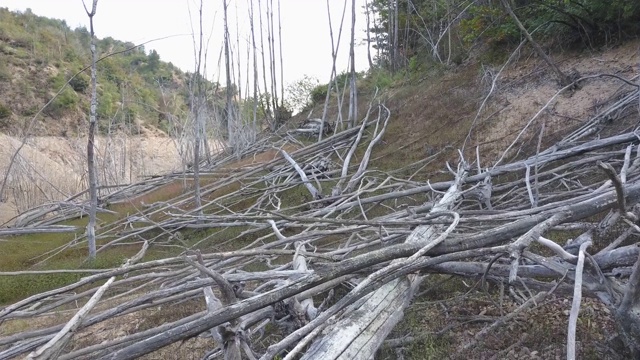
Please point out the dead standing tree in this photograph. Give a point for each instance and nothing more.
(91, 166)
(230, 119)
(563, 79)
(332, 85)
(197, 109)
(353, 92)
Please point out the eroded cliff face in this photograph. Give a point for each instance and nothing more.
(53, 168)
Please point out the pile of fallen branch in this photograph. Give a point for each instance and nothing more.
(306, 232)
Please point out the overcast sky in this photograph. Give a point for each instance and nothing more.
(306, 41)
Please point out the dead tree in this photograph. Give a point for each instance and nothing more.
(266, 102)
(91, 166)
(197, 107)
(367, 13)
(563, 79)
(230, 112)
(361, 264)
(332, 85)
(353, 92)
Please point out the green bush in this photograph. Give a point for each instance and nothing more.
(283, 114)
(106, 105)
(29, 111)
(319, 94)
(380, 78)
(79, 83)
(488, 24)
(298, 93)
(5, 75)
(585, 21)
(5, 112)
(67, 100)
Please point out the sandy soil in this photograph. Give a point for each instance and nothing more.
(527, 85)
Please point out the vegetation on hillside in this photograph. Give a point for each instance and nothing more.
(415, 39)
(39, 55)
(448, 31)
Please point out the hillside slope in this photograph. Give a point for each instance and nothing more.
(37, 57)
(477, 105)
(257, 216)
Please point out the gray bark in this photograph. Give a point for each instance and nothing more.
(563, 79)
(359, 334)
(353, 92)
(628, 313)
(91, 165)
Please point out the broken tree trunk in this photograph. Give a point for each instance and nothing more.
(628, 313)
(315, 194)
(359, 334)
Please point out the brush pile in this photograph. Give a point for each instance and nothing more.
(319, 262)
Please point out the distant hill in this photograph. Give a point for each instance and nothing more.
(37, 57)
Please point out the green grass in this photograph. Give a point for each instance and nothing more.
(25, 251)
(416, 323)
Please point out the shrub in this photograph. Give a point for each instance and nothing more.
(29, 111)
(5, 75)
(298, 93)
(319, 94)
(5, 112)
(106, 105)
(79, 83)
(67, 100)
(283, 114)
(380, 78)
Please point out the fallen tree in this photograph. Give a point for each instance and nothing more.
(333, 274)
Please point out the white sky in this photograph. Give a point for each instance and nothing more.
(306, 41)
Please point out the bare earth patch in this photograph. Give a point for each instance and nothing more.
(53, 168)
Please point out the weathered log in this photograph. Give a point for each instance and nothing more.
(315, 194)
(300, 264)
(54, 347)
(628, 313)
(359, 334)
(38, 230)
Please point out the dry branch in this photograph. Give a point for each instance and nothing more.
(310, 250)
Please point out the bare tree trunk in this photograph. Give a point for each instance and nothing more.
(268, 113)
(281, 58)
(405, 44)
(392, 30)
(375, 26)
(91, 166)
(272, 64)
(395, 35)
(334, 54)
(196, 104)
(238, 81)
(366, 11)
(230, 107)
(353, 94)
(255, 69)
(562, 77)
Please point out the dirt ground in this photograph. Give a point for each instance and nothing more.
(434, 114)
(527, 93)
